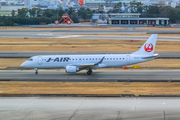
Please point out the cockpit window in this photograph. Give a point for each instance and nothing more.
(30, 59)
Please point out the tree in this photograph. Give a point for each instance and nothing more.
(117, 8)
(163, 13)
(136, 7)
(48, 13)
(133, 6)
(153, 10)
(13, 13)
(74, 17)
(39, 12)
(32, 12)
(100, 9)
(1, 24)
(60, 11)
(70, 10)
(22, 12)
(85, 13)
(139, 9)
(173, 15)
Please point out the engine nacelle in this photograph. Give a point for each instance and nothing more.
(72, 69)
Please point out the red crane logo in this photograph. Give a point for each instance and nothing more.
(148, 47)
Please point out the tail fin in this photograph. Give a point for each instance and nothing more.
(149, 46)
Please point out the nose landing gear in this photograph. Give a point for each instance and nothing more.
(36, 71)
(89, 72)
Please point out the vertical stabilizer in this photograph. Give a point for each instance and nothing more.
(149, 46)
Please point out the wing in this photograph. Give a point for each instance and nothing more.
(90, 65)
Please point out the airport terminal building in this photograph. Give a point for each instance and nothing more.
(133, 18)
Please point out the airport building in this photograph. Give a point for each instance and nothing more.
(107, 3)
(133, 18)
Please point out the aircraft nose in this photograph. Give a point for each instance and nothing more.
(23, 64)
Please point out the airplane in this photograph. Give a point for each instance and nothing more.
(76, 63)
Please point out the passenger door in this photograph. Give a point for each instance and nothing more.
(39, 60)
(128, 58)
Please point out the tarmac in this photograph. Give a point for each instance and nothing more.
(89, 108)
(84, 34)
(112, 75)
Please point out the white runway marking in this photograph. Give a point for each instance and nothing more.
(69, 36)
(46, 34)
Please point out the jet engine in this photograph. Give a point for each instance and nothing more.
(71, 69)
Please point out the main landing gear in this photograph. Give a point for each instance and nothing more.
(89, 72)
(36, 71)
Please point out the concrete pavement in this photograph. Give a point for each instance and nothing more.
(86, 108)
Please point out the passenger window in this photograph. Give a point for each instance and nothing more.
(89, 58)
(110, 58)
(93, 59)
(99, 59)
(86, 58)
(116, 58)
(83, 58)
(107, 58)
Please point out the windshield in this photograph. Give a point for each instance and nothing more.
(30, 59)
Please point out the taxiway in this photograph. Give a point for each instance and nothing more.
(97, 76)
(84, 34)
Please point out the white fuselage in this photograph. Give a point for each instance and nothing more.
(75, 63)
(61, 61)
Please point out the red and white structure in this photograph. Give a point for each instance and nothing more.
(66, 19)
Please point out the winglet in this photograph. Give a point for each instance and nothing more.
(100, 61)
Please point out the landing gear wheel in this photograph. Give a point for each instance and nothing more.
(89, 72)
(36, 69)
